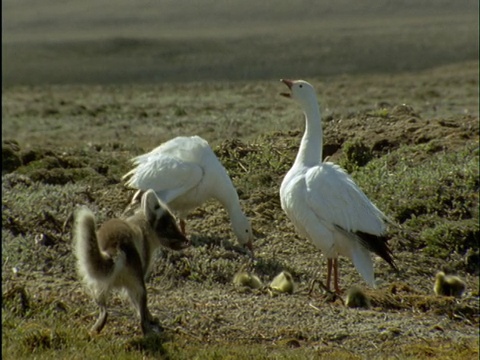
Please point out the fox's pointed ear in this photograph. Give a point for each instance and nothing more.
(151, 206)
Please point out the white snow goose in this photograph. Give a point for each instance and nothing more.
(325, 204)
(184, 173)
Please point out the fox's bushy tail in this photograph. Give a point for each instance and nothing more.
(92, 265)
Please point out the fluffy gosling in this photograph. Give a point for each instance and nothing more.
(283, 283)
(356, 298)
(448, 285)
(246, 279)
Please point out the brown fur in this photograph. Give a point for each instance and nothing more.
(119, 254)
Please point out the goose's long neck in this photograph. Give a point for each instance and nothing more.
(232, 205)
(310, 152)
(227, 195)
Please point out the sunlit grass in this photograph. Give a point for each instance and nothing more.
(430, 193)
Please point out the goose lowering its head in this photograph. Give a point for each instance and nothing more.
(325, 204)
(184, 173)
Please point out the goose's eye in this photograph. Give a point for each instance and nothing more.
(301, 85)
(246, 231)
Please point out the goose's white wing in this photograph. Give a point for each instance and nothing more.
(333, 196)
(166, 175)
(188, 149)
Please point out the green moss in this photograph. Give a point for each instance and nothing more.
(35, 154)
(43, 339)
(355, 154)
(180, 111)
(11, 159)
(451, 236)
(60, 176)
(45, 163)
(151, 344)
(16, 300)
(436, 199)
(258, 165)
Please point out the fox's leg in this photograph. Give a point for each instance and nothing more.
(101, 300)
(138, 296)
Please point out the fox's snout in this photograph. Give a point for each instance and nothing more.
(169, 233)
(177, 244)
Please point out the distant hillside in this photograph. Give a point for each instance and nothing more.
(56, 41)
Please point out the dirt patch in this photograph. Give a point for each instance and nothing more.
(192, 292)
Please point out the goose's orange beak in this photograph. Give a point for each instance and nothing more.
(289, 83)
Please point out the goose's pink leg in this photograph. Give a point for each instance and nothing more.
(332, 264)
(335, 276)
(329, 272)
(182, 226)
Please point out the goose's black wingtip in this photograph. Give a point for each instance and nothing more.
(378, 245)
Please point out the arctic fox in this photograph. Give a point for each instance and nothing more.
(119, 254)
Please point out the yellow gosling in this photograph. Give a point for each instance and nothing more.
(283, 283)
(245, 279)
(356, 298)
(448, 285)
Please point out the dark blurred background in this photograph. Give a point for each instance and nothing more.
(141, 41)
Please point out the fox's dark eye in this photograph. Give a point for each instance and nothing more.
(156, 207)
